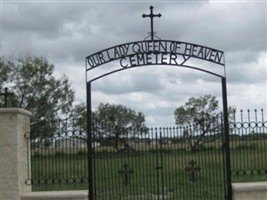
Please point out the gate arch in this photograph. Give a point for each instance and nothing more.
(156, 53)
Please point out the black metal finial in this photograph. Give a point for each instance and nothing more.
(6, 94)
(151, 16)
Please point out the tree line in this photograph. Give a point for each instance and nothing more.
(36, 88)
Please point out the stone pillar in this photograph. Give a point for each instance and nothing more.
(14, 154)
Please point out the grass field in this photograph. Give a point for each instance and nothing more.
(154, 173)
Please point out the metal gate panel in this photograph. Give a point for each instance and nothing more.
(132, 172)
(192, 175)
(160, 165)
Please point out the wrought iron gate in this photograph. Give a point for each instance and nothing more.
(158, 171)
(158, 164)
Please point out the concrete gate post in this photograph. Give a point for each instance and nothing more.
(14, 123)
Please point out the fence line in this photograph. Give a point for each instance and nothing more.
(59, 148)
(248, 136)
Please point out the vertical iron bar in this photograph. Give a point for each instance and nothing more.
(157, 162)
(89, 143)
(6, 94)
(264, 128)
(250, 142)
(28, 138)
(161, 162)
(242, 161)
(226, 140)
(152, 29)
(221, 150)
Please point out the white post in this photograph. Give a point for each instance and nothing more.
(14, 152)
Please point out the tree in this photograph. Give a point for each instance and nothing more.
(4, 74)
(79, 117)
(118, 123)
(113, 124)
(36, 89)
(199, 116)
(4, 71)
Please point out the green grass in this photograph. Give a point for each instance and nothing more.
(172, 181)
(146, 182)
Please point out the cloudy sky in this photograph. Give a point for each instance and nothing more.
(65, 32)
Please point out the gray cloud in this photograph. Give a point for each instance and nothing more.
(136, 82)
(66, 32)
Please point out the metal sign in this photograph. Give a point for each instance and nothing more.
(156, 53)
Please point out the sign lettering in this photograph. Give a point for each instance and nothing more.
(156, 52)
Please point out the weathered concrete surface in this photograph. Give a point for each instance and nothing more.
(250, 191)
(56, 195)
(14, 123)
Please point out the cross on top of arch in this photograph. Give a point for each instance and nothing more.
(151, 16)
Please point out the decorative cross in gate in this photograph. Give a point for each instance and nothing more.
(192, 169)
(6, 94)
(126, 171)
(151, 15)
